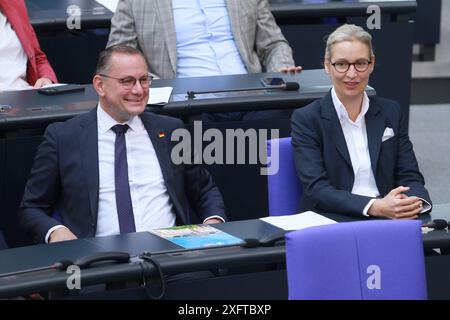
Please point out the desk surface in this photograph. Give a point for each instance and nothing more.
(46, 254)
(133, 243)
(51, 14)
(190, 260)
(27, 109)
(136, 243)
(341, 8)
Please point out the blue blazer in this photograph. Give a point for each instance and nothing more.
(65, 178)
(323, 161)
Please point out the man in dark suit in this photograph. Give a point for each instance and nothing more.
(110, 171)
(352, 153)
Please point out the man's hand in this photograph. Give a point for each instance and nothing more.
(212, 221)
(293, 69)
(396, 205)
(61, 234)
(42, 82)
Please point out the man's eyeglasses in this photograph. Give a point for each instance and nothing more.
(343, 66)
(129, 82)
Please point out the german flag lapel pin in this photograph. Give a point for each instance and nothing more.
(161, 134)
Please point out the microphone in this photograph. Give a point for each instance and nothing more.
(112, 256)
(271, 239)
(82, 263)
(287, 86)
(266, 241)
(437, 224)
(61, 265)
(251, 243)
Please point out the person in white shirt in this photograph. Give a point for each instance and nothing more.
(191, 38)
(22, 62)
(352, 152)
(110, 171)
(203, 38)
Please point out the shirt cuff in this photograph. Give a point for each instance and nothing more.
(49, 232)
(217, 217)
(426, 205)
(367, 207)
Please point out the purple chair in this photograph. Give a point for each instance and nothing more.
(362, 260)
(284, 187)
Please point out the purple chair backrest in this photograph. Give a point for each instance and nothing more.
(284, 187)
(357, 260)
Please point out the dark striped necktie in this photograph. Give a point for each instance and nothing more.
(122, 186)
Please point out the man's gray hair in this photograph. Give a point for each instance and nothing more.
(348, 32)
(104, 58)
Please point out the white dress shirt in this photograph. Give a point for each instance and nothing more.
(355, 134)
(13, 59)
(205, 41)
(152, 207)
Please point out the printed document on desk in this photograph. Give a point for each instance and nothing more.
(197, 236)
(159, 96)
(298, 221)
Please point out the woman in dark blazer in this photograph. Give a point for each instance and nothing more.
(352, 153)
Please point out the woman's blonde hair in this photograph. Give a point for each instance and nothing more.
(348, 32)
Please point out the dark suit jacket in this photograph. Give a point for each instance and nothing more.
(323, 161)
(65, 178)
(38, 65)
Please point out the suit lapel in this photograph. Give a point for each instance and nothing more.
(88, 147)
(333, 126)
(375, 124)
(233, 14)
(159, 137)
(165, 11)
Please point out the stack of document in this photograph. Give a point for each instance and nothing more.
(159, 96)
(298, 221)
(111, 5)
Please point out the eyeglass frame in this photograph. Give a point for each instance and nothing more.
(121, 80)
(369, 62)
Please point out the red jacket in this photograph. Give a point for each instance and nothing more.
(38, 65)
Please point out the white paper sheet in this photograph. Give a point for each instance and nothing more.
(298, 221)
(111, 5)
(159, 96)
